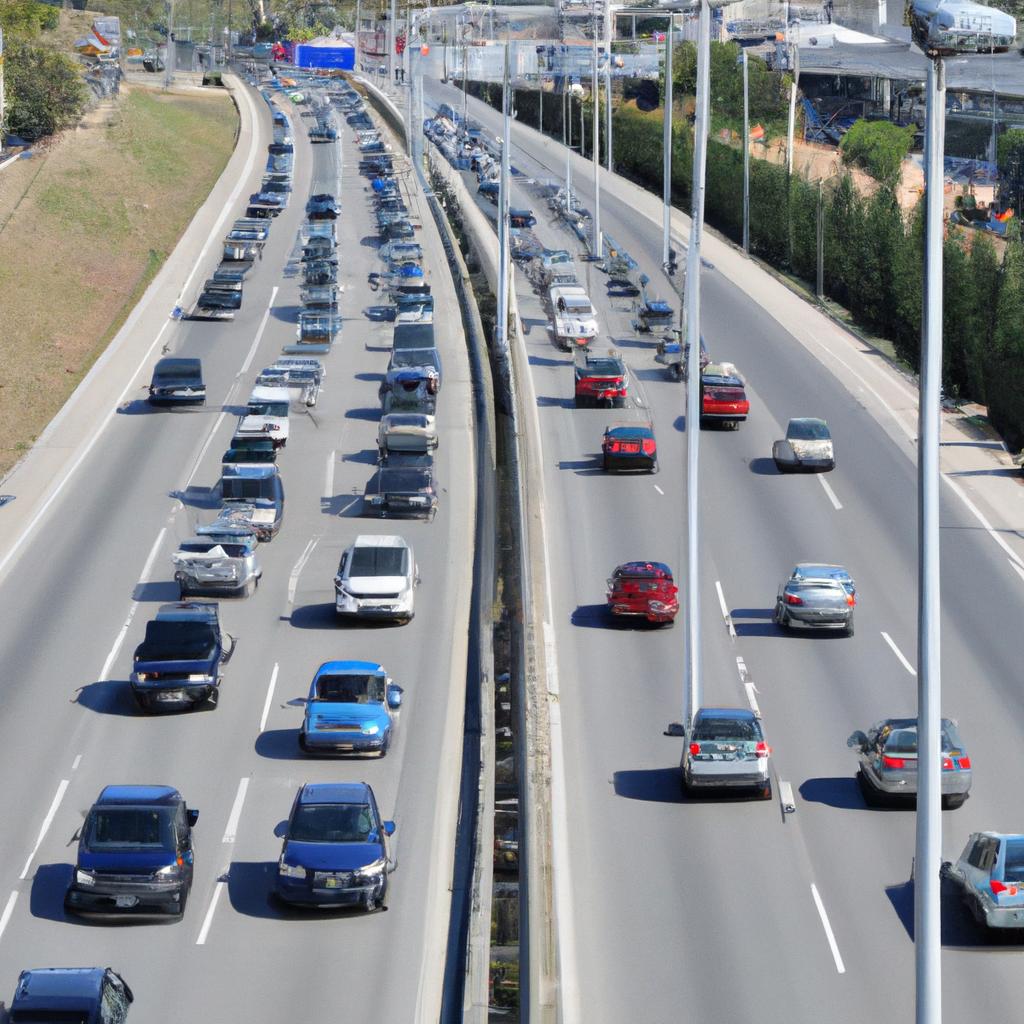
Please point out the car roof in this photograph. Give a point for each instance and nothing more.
(808, 419)
(738, 714)
(249, 471)
(349, 668)
(72, 983)
(334, 793)
(373, 540)
(819, 571)
(138, 795)
(630, 429)
(178, 363)
(261, 393)
(188, 611)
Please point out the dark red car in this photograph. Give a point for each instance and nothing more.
(645, 589)
(600, 379)
(724, 398)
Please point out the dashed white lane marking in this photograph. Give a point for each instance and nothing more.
(329, 475)
(829, 934)
(836, 503)
(270, 697)
(752, 698)
(658, 489)
(259, 334)
(293, 579)
(134, 606)
(725, 609)
(47, 822)
(231, 828)
(741, 667)
(899, 654)
(76, 763)
(8, 911)
(208, 920)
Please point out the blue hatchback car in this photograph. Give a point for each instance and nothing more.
(350, 709)
(336, 850)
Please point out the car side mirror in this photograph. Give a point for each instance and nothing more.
(395, 697)
(281, 829)
(193, 817)
(676, 729)
(857, 739)
(389, 828)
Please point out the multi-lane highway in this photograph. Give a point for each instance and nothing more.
(727, 910)
(97, 565)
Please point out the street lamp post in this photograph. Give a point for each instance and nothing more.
(666, 153)
(608, 85)
(595, 95)
(501, 328)
(746, 156)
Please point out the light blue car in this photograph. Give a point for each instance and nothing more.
(351, 709)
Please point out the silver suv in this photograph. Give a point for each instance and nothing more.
(376, 579)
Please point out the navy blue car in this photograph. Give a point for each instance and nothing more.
(134, 853)
(335, 851)
(83, 995)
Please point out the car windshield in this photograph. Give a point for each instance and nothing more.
(374, 561)
(177, 641)
(718, 729)
(902, 741)
(177, 369)
(220, 300)
(204, 547)
(268, 409)
(245, 489)
(603, 368)
(351, 688)
(331, 823)
(130, 828)
(405, 480)
(1013, 868)
(808, 430)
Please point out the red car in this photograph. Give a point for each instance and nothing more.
(643, 588)
(600, 378)
(724, 398)
(628, 446)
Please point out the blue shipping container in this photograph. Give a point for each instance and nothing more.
(342, 58)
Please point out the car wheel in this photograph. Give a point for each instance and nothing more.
(953, 801)
(143, 702)
(214, 699)
(684, 785)
(782, 618)
(849, 627)
(386, 745)
(766, 790)
(302, 742)
(604, 465)
(180, 912)
(249, 589)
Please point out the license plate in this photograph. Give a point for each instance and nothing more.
(169, 695)
(124, 902)
(332, 883)
(630, 447)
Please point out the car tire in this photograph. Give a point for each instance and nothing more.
(142, 702)
(179, 914)
(849, 627)
(766, 791)
(953, 801)
(781, 618)
(781, 466)
(214, 699)
(250, 588)
(867, 791)
(386, 745)
(684, 786)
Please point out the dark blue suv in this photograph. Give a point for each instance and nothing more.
(134, 853)
(83, 995)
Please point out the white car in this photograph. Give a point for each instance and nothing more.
(575, 322)
(376, 579)
(266, 415)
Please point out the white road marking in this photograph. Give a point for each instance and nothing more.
(8, 911)
(231, 829)
(836, 504)
(270, 697)
(47, 822)
(725, 609)
(134, 606)
(741, 667)
(329, 475)
(786, 799)
(77, 762)
(1016, 568)
(259, 334)
(658, 489)
(293, 579)
(899, 654)
(840, 967)
(976, 512)
(208, 920)
(752, 698)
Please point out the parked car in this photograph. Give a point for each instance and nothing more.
(989, 876)
(376, 579)
(726, 751)
(806, 446)
(82, 995)
(336, 848)
(887, 761)
(350, 709)
(406, 490)
(406, 432)
(177, 381)
(178, 664)
(220, 559)
(266, 415)
(816, 596)
(643, 589)
(723, 396)
(600, 379)
(253, 495)
(629, 446)
(135, 853)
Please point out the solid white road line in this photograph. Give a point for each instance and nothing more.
(1016, 568)
(977, 513)
(208, 920)
(836, 504)
(725, 609)
(840, 967)
(134, 607)
(259, 334)
(752, 698)
(8, 910)
(293, 579)
(741, 667)
(270, 697)
(47, 822)
(658, 489)
(329, 476)
(236, 811)
(899, 654)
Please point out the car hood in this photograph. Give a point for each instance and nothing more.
(811, 449)
(126, 861)
(178, 382)
(261, 424)
(370, 585)
(332, 856)
(327, 716)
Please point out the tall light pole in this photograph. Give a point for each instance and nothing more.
(391, 39)
(595, 95)
(171, 50)
(666, 153)
(746, 156)
(608, 85)
(501, 328)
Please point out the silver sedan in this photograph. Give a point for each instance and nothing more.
(726, 751)
(816, 596)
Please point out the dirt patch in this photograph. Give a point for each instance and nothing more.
(84, 226)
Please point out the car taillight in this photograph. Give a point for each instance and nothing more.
(793, 599)
(998, 887)
(648, 446)
(964, 763)
(613, 446)
(851, 600)
(762, 749)
(947, 764)
(694, 749)
(893, 762)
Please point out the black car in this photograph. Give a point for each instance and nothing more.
(236, 272)
(134, 854)
(217, 305)
(251, 450)
(177, 381)
(178, 664)
(319, 272)
(322, 206)
(280, 148)
(629, 446)
(82, 995)
(270, 185)
(404, 487)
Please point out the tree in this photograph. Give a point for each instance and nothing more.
(879, 147)
(1004, 379)
(25, 19)
(45, 89)
(1010, 158)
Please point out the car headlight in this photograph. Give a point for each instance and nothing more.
(377, 499)
(84, 877)
(290, 870)
(168, 871)
(657, 606)
(141, 676)
(196, 677)
(371, 729)
(371, 872)
(418, 499)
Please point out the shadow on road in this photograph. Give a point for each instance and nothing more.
(49, 884)
(372, 415)
(314, 616)
(659, 785)
(548, 401)
(842, 792)
(198, 497)
(368, 456)
(109, 697)
(764, 467)
(279, 745)
(157, 590)
(546, 361)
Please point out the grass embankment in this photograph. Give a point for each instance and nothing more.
(84, 227)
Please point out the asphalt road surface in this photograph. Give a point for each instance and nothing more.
(721, 909)
(96, 568)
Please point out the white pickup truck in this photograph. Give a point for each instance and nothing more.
(573, 315)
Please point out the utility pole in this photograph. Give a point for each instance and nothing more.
(359, 21)
(501, 328)
(795, 51)
(1, 88)
(608, 85)
(666, 153)
(567, 142)
(391, 41)
(820, 285)
(746, 156)
(595, 95)
(171, 50)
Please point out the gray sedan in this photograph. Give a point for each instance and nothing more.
(990, 878)
(726, 751)
(806, 446)
(816, 596)
(887, 761)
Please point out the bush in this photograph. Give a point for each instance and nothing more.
(879, 147)
(25, 19)
(1010, 159)
(45, 90)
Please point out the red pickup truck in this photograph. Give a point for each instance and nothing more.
(600, 378)
(724, 397)
(643, 589)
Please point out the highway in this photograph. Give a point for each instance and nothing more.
(97, 566)
(728, 910)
